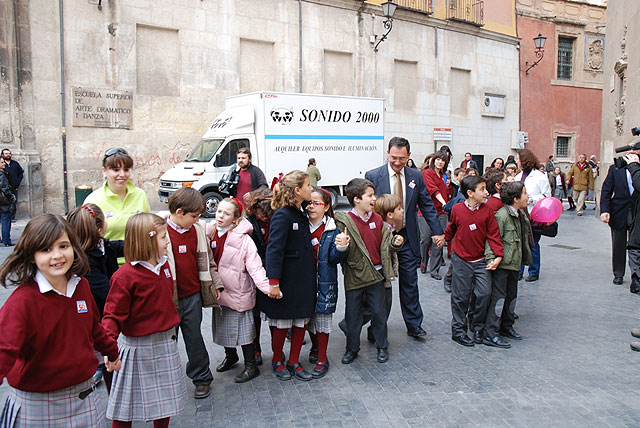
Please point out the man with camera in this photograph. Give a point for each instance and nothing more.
(243, 177)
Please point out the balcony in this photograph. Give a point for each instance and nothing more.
(468, 11)
(423, 6)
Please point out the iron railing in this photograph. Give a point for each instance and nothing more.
(424, 6)
(469, 11)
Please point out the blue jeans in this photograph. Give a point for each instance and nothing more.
(5, 223)
(534, 268)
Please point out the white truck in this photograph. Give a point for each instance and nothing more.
(283, 130)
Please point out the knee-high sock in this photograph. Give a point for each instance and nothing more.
(278, 336)
(297, 337)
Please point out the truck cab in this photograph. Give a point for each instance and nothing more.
(212, 157)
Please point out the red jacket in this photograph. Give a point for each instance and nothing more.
(435, 186)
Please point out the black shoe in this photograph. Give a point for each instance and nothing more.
(280, 373)
(299, 372)
(416, 332)
(230, 360)
(496, 341)
(520, 277)
(251, 370)
(634, 289)
(515, 316)
(447, 287)
(511, 334)
(383, 355)
(313, 355)
(10, 244)
(343, 326)
(463, 340)
(571, 208)
(317, 373)
(370, 336)
(349, 356)
(478, 336)
(436, 276)
(617, 280)
(423, 269)
(531, 278)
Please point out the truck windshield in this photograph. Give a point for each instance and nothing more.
(204, 151)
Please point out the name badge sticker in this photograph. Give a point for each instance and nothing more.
(167, 272)
(295, 226)
(81, 305)
(315, 242)
(472, 226)
(372, 225)
(213, 244)
(108, 214)
(412, 184)
(262, 231)
(182, 249)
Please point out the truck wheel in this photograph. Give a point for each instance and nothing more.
(211, 200)
(334, 196)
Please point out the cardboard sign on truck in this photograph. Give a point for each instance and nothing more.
(344, 134)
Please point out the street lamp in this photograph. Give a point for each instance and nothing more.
(388, 9)
(539, 42)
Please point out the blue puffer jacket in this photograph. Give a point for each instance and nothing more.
(328, 259)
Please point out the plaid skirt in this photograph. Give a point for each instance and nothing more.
(232, 328)
(320, 323)
(60, 409)
(285, 323)
(151, 383)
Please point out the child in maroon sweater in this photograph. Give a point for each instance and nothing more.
(472, 225)
(139, 308)
(494, 178)
(50, 327)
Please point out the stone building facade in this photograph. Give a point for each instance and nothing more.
(149, 76)
(621, 95)
(561, 97)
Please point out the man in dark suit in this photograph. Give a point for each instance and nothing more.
(615, 208)
(468, 162)
(396, 178)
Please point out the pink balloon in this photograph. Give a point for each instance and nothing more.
(547, 210)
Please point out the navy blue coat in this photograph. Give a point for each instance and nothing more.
(415, 195)
(101, 267)
(615, 198)
(328, 259)
(290, 259)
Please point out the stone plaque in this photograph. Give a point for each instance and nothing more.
(102, 108)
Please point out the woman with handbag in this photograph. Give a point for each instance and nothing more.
(538, 187)
(6, 201)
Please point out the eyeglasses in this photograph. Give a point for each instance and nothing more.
(111, 152)
(317, 203)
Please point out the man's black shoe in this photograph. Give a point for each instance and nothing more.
(416, 332)
(511, 334)
(447, 286)
(531, 278)
(463, 340)
(496, 341)
(520, 277)
(617, 280)
(634, 288)
(349, 356)
(383, 355)
(477, 337)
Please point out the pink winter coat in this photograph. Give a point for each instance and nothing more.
(240, 269)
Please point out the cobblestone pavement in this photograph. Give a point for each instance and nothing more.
(574, 367)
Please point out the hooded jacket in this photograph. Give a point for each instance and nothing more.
(328, 258)
(240, 269)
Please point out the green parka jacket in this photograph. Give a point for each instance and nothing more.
(514, 232)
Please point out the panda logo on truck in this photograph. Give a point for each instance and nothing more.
(282, 114)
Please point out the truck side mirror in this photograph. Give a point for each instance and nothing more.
(218, 160)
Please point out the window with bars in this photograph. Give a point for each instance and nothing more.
(565, 58)
(562, 147)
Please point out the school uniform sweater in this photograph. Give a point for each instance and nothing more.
(217, 246)
(47, 339)
(470, 229)
(316, 235)
(184, 246)
(140, 302)
(494, 203)
(435, 186)
(371, 234)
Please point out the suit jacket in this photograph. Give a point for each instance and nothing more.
(415, 195)
(472, 164)
(615, 198)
